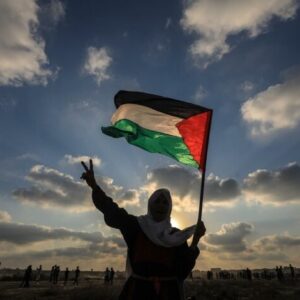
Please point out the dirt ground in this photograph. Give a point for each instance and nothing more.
(215, 289)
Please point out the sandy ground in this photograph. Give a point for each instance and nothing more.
(216, 289)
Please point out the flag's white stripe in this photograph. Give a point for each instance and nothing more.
(148, 118)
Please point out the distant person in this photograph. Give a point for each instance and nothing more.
(77, 273)
(38, 274)
(27, 277)
(159, 258)
(111, 275)
(106, 275)
(281, 275)
(277, 273)
(265, 274)
(209, 275)
(249, 274)
(52, 273)
(292, 269)
(56, 274)
(66, 276)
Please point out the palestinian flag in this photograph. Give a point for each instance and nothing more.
(162, 125)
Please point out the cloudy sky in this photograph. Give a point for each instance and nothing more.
(61, 63)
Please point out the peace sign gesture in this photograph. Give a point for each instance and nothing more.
(88, 175)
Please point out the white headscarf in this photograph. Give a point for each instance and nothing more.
(162, 233)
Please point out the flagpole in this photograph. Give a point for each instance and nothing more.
(201, 196)
(202, 181)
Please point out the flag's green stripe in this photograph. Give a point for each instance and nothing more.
(151, 141)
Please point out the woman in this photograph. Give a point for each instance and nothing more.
(158, 257)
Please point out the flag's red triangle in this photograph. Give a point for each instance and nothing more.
(194, 132)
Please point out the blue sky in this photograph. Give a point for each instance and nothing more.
(62, 62)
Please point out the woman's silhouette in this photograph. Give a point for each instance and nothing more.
(158, 257)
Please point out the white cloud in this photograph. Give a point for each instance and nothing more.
(97, 63)
(274, 109)
(7, 103)
(278, 187)
(215, 20)
(168, 23)
(22, 50)
(200, 94)
(73, 160)
(56, 10)
(247, 86)
(51, 13)
(28, 156)
(4, 216)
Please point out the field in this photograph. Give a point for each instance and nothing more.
(201, 289)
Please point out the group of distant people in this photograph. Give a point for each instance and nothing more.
(249, 275)
(109, 275)
(280, 273)
(54, 275)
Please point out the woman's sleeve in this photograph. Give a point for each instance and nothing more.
(114, 216)
(186, 259)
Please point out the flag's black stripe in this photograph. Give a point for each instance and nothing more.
(169, 106)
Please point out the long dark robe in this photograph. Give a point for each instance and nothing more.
(157, 272)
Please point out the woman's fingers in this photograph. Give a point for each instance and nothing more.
(84, 165)
(200, 230)
(203, 226)
(88, 175)
(91, 166)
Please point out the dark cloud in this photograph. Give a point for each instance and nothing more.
(277, 187)
(20, 234)
(51, 188)
(231, 237)
(54, 189)
(184, 182)
(130, 197)
(40, 196)
(230, 244)
(83, 253)
(276, 242)
(92, 245)
(218, 189)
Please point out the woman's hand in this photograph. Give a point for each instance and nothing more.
(88, 175)
(199, 232)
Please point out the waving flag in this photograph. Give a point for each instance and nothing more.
(162, 125)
